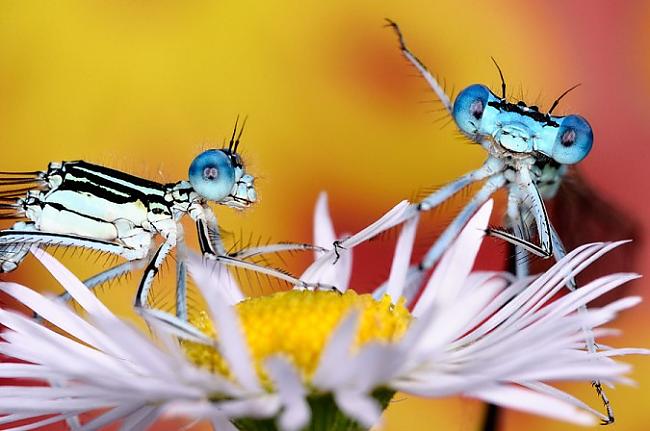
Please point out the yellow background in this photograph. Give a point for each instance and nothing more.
(143, 86)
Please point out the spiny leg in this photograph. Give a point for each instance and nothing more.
(416, 272)
(181, 274)
(107, 275)
(273, 272)
(492, 184)
(249, 252)
(550, 245)
(211, 250)
(208, 231)
(152, 269)
(433, 82)
(559, 252)
(488, 169)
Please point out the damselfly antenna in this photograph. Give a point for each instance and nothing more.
(232, 139)
(503, 81)
(243, 124)
(554, 105)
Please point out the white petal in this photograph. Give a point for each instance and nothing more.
(222, 424)
(587, 293)
(211, 276)
(296, 413)
(232, 341)
(141, 419)
(398, 214)
(336, 352)
(412, 285)
(324, 234)
(535, 293)
(449, 276)
(401, 259)
(373, 366)
(532, 402)
(61, 316)
(175, 326)
(624, 351)
(583, 370)
(358, 406)
(261, 407)
(331, 271)
(79, 292)
(325, 265)
(36, 425)
(7, 419)
(111, 416)
(556, 393)
(450, 322)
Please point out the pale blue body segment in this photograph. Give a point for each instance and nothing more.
(528, 153)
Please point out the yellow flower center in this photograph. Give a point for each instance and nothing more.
(298, 325)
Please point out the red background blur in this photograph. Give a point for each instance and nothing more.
(143, 86)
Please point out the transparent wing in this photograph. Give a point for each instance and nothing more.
(581, 214)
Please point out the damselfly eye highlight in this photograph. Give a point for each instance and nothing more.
(573, 141)
(212, 175)
(469, 107)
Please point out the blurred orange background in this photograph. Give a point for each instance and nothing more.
(143, 86)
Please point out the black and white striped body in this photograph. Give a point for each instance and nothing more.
(80, 199)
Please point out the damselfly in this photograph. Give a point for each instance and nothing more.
(529, 152)
(79, 204)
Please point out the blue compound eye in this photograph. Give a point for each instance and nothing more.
(212, 175)
(469, 107)
(573, 141)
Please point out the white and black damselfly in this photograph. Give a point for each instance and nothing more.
(79, 204)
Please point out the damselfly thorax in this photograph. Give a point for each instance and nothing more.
(80, 204)
(528, 153)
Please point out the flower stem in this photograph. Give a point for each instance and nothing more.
(493, 412)
(491, 421)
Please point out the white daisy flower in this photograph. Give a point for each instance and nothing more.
(316, 360)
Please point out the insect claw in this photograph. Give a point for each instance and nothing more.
(337, 245)
(336, 289)
(37, 317)
(610, 420)
(389, 23)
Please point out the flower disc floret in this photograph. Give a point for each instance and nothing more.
(298, 325)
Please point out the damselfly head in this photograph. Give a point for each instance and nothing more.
(218, 175)
(519, 128)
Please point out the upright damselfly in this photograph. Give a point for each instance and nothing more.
(529, 152)
(80, 204)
